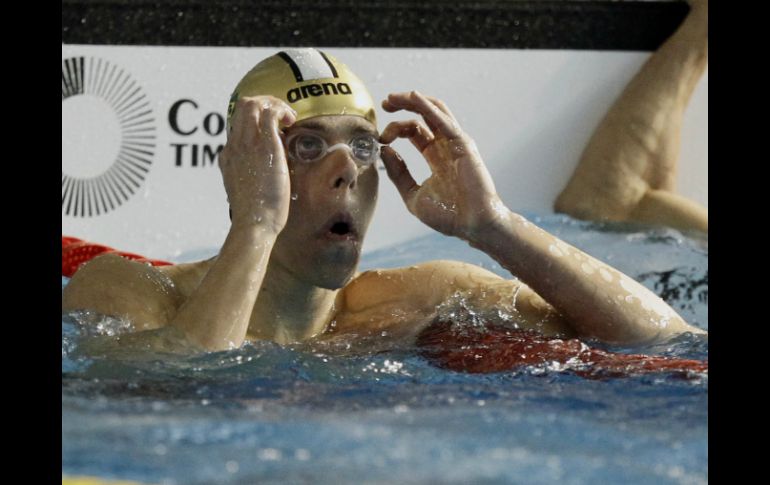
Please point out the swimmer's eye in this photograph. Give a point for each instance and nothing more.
(308, 147)
(365, 148)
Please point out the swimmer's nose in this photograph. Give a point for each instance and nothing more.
(344, 171)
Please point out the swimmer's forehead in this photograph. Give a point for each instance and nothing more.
(336, 125)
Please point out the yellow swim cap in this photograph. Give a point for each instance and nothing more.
(312, 82)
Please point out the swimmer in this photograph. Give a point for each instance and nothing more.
(300, 168)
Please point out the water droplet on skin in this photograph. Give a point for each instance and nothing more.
(270, 160)
(294, 196)
(555, 251)
(606, 275)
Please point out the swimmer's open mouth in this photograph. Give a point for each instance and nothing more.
(341, 228)
(340, 225)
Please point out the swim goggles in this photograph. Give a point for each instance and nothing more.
(309, 148)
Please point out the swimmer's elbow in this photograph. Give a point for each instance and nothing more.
(137, 345)
(644, 335)
(682, 327)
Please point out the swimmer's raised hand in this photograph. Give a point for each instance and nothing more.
(253, 163)
(459, 198)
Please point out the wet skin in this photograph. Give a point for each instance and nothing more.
(281, 276)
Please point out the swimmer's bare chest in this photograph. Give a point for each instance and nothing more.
(398, 319)
(393, 306)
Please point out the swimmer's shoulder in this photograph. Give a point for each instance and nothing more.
(404, 300)
(419, 290)
(146, 295)
(187, 276)
(426, 284)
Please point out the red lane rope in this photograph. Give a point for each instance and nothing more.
(75, 252)
(493, 348)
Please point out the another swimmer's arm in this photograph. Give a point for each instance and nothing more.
(597, 300)
(627, 171)
(670, 209)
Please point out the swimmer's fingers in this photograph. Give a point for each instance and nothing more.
(399, 101)
(272, 118)
(259, 115)
(245, 121)
(439, 121)
(415, 130)
(389, 107)
(399, 174)
(442, 106)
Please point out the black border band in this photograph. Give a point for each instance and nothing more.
(595, 25)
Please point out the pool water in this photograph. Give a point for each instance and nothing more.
(282, 415)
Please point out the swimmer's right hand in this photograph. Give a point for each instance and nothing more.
(253, 163)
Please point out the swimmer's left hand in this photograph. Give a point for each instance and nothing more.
(459, 198)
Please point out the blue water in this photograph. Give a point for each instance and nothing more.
(279, 415)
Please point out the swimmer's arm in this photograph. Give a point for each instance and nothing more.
(595, 299)
(214, 317)
(137, 345)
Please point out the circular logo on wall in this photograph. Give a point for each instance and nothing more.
(108, 136)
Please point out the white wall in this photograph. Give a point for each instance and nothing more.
(531, 113)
